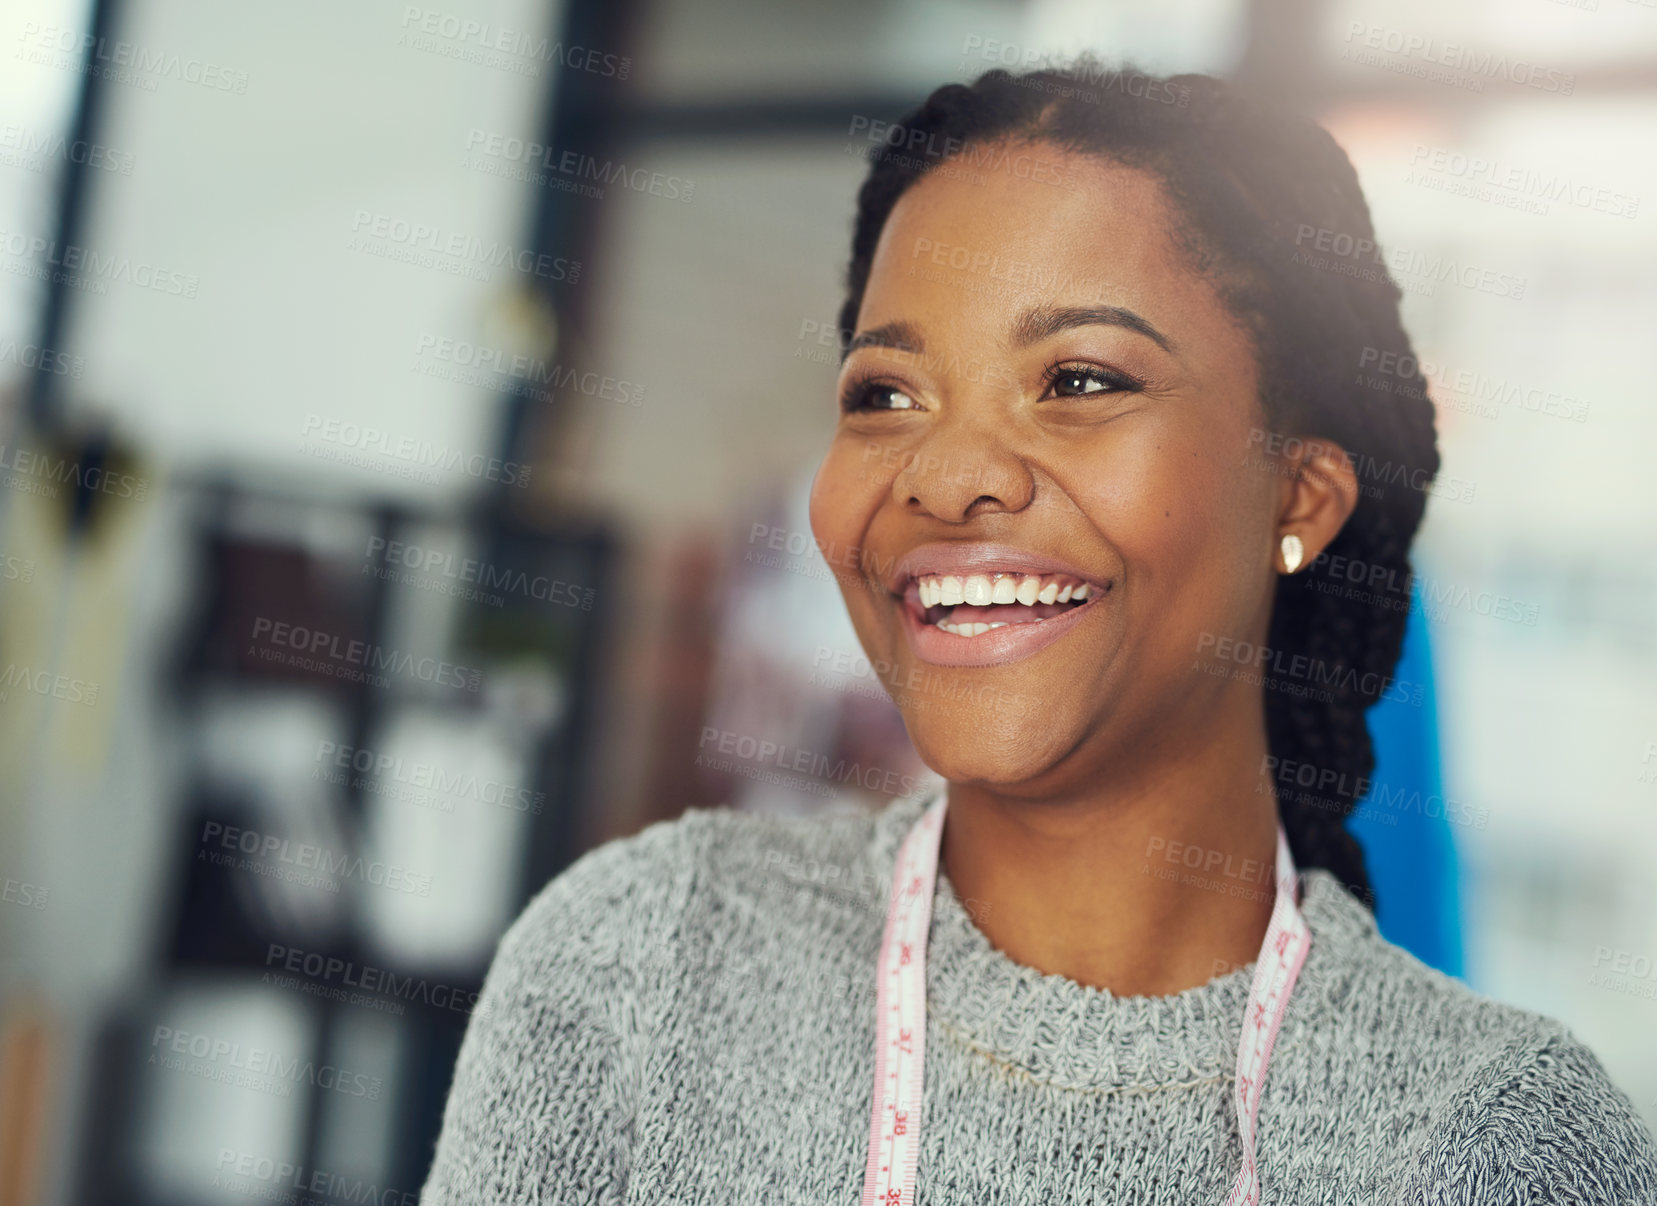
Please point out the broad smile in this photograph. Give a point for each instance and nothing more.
(980, 605)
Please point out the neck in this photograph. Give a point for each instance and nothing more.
(1143, 889)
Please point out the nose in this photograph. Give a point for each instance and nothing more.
(962, 470)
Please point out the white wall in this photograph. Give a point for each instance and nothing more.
(255, 195)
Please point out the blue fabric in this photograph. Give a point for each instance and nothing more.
(1402, 822)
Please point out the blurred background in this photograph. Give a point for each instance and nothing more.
(406, 415)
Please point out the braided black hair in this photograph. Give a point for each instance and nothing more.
(1270, 210)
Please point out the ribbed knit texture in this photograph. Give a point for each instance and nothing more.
(687, 1016)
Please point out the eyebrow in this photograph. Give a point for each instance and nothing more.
(1042, 322)
(901, 336)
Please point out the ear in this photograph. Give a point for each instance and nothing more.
(1318, 494)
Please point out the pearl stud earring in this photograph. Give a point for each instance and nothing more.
(1293, 551)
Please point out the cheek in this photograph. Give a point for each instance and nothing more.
(1203, 507)
(846, 492)
(1202, 561)
(1176, 502)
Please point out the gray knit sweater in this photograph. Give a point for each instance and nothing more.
(686, 1017)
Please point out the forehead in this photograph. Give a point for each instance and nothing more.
(1032, 224)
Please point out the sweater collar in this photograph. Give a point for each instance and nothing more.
(1075, 1036)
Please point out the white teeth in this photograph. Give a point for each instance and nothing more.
(969, 630)
(1000, 589)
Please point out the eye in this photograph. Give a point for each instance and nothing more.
(872, 395)
(1082, 380)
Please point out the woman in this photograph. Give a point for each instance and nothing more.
(1104, 416)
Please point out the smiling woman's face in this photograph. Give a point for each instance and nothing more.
(1043, 395)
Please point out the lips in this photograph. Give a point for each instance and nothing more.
(983, 604)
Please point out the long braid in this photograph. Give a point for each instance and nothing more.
(1264, 197)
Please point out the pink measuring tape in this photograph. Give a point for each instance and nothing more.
(900, 1021)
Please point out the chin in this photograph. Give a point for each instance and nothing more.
(970, 741)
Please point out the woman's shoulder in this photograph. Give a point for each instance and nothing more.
(1388, 997)
(624, 900)
(1500, 1088)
